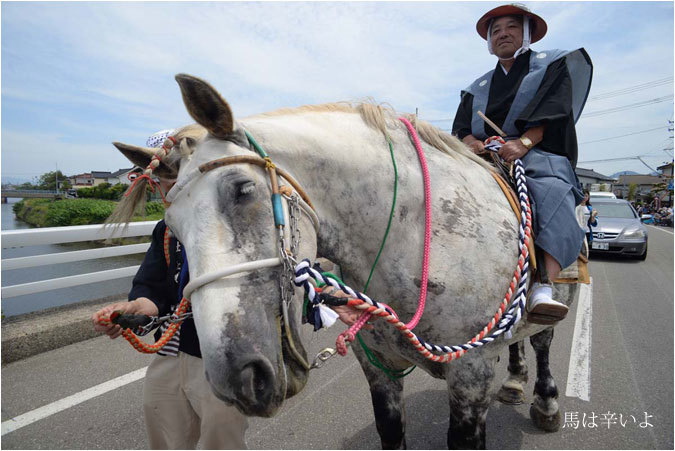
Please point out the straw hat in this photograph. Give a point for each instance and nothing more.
(537, 23)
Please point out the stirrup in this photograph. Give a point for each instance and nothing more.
(542, 309)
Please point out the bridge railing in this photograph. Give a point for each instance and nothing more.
(57, 235)
(32, 191)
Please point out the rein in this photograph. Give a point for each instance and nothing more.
(507, 316)
(285, 257)
(505, 319)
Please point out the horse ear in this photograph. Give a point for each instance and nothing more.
(141, 156)
(206, 106)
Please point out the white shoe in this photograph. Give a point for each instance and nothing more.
(541, 308)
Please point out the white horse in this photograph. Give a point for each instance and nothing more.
(339, 155)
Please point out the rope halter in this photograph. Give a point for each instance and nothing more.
(295, 200)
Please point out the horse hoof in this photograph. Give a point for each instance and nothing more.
(510, 396)
(548, 423)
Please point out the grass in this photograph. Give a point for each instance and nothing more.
(70, 212)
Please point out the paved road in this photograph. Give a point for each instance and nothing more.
(631, 383)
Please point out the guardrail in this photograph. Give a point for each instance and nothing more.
(32, 191)
(57, 235)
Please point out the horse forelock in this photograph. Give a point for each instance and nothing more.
(383, 117)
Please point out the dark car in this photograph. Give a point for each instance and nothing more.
(619, 230)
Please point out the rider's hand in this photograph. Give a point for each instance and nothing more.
(478, 147)
(140, 306)
(513, 150)
(348, 315)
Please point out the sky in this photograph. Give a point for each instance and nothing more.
(76, 76)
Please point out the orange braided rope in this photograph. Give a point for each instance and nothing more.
(167, 256)
(141, 346)
(183, 307)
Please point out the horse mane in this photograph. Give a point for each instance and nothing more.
(133, 199)
(382, 116)
(379, 116)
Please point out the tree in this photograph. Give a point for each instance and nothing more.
(47, 181)
(648, 197)
(632, 189)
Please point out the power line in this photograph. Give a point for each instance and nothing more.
(622, 136)
(636, 157)
(627, 107)
(632, 89)
(605, 95)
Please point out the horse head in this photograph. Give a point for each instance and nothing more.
(223, 216)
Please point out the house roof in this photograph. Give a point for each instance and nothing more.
(100, 174)
(119, 172)
(86, 175)
(581, 172)
(639, 179)
(665, 165)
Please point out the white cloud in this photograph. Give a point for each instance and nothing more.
(91, 73)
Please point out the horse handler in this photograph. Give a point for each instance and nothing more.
(535, 98)
(178, 405)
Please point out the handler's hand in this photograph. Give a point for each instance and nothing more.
(140, 306)
(512, 150)
(348, 315)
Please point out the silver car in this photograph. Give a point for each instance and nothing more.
(619, 230)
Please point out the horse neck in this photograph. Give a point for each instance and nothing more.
(346, 169)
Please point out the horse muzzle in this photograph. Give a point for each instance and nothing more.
(250, 385)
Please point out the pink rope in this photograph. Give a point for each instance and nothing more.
(350, 334)
(427, 225)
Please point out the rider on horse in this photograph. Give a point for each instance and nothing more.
(536, 98)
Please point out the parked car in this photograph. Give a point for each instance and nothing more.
(619, 230)
(600, 195)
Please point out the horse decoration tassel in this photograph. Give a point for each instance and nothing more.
(507, 316)
(167, 145)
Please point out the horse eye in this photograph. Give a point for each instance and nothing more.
(245, 188)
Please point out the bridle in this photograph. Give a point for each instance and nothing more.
(286, 222)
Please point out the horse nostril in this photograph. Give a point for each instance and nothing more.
(257, 381)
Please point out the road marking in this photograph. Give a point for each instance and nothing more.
(579, 374)
(66, 403)
(659, 228)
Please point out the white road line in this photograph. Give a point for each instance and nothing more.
(65, 403)
(579, 374)
(659, 228)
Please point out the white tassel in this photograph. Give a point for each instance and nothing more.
(328, 316)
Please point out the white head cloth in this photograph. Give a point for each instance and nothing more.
(157, 139)
(527, 38)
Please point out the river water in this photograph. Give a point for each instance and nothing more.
(39, 301)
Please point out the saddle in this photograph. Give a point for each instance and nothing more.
(577, 272)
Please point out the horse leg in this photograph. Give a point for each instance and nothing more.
(469, 382)
(544, 410)
(513, 387)
(387, 397)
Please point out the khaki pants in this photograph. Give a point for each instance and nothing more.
(181, 410)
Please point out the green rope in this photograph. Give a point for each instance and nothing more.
(391, 215)
(255, 145)
(372, 358)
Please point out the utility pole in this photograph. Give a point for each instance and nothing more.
(56, 177)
